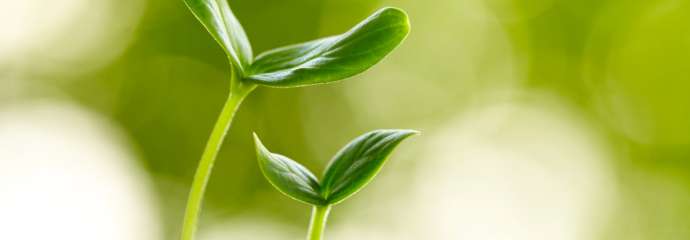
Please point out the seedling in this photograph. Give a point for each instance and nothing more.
(316, 62)
(352, 168)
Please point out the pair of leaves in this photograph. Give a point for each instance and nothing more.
(350, 170)
(316, 62)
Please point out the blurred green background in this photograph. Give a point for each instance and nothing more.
(541, 119)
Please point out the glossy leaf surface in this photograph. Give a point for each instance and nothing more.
(332, 58)
(219, 20)
(288, 176)
(358, 163)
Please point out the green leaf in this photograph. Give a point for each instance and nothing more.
(332, 58)
(288, 176)
(219, 20)
(358, 163)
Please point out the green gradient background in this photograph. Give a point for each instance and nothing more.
(623, 66)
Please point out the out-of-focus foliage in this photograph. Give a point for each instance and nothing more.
(563, 118)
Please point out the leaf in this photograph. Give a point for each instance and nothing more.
(219, 20)
(288, 176)
(358, 163)
(332, 58)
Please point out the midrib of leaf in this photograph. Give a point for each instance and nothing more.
(331, 50)
(354, 40)
(348, 174)
(295, 173)
(327, 189)
(226, 35)
(308, 60)
(314, 46)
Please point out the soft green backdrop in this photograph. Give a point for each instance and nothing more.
(475, 75)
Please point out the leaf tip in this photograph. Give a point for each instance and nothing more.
(397, 13)
(405, 132)
(412, 131)
(258, 144)
(256, 137)
(393, 10)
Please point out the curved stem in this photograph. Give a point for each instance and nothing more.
(238, 92)
(319, 216)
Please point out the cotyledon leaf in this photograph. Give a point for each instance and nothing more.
(358, 162)
(288, 176)
(332, 58)
(219, 20)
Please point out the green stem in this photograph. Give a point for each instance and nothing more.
(238, 91)
(319, 216)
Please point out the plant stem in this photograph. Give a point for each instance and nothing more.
(319, 216)
(238, 91)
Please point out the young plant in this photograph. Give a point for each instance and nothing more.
(316, 62)
(349, 171)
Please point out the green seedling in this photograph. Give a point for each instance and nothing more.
(316, 62)
(352, 168)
